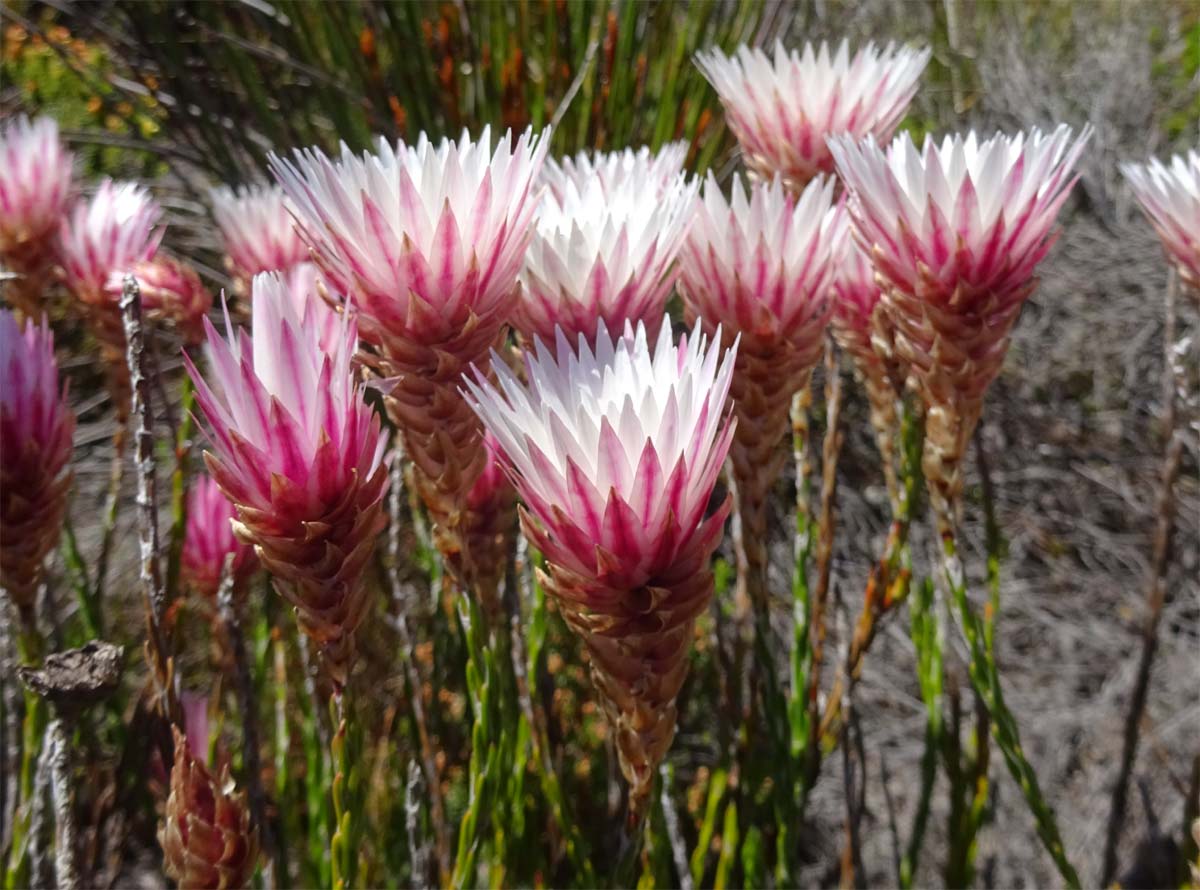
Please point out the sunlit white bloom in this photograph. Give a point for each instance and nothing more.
(967, 215)
(1170, 197)
(782, 108)
(107, 235)
(604, 253)
(35, 182)
(257, 230)
(763, 262)
(423, 236)
(615, 449)
(610, 168)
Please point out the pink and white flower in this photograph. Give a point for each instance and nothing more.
(604, 251)
(955, 232)
(615, 452)
(761, 266)
(967, 216)
(763, 262)
(301, 456)
(107, 235)
(35, 183)
(782, 108)
(424, 237)
(610, 168)
(257, 229)
(1170, 198)
(209, 540)
(36, 429)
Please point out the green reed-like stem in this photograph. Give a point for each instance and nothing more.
(343, 843)
(179, 486)
(31, 649)
(485, 767)
(928, 639)
(985, 678)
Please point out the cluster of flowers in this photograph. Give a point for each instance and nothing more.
(411, 263)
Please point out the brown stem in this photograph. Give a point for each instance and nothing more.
(830, 448)
(1156, 584)
(66, 868)
(886, 586)
(248, 704)
(412, 673)
(154, 600)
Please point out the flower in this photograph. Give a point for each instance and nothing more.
(1170, 198)
(301, 456)
(207, 835)
(955, 232)
(604, 251)
(615, 452)
(781, 109)
(425, 237)
(36, 429)
(209, 539)
(761, 266)
(613, 167)
(171, 291)
(426, 242)
(257, 229)
(106, 236)
(35, 183)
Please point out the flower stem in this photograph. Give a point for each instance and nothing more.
(985, 677)
(343, 847)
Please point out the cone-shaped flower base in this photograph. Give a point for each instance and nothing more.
(638, 640)
(207, 837)
(444, 440)
(862, 330)
(615, 454)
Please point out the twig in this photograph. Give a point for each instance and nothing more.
(39, 861)
(674, 831)
(402, 604)
(417, 852)
(155, 604)
(248, 704)
(1173, 374)
(65, 866)
(830, 449)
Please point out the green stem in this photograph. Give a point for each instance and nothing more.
(928, 639)
(31, 648)
(179, 487)
(485, 766)
(985, 677)
(343, 850)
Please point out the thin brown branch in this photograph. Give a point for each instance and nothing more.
(248, 705)
(1156, 589)
(154, 601)
(66, 869)
(830, 449)
(437, 810)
